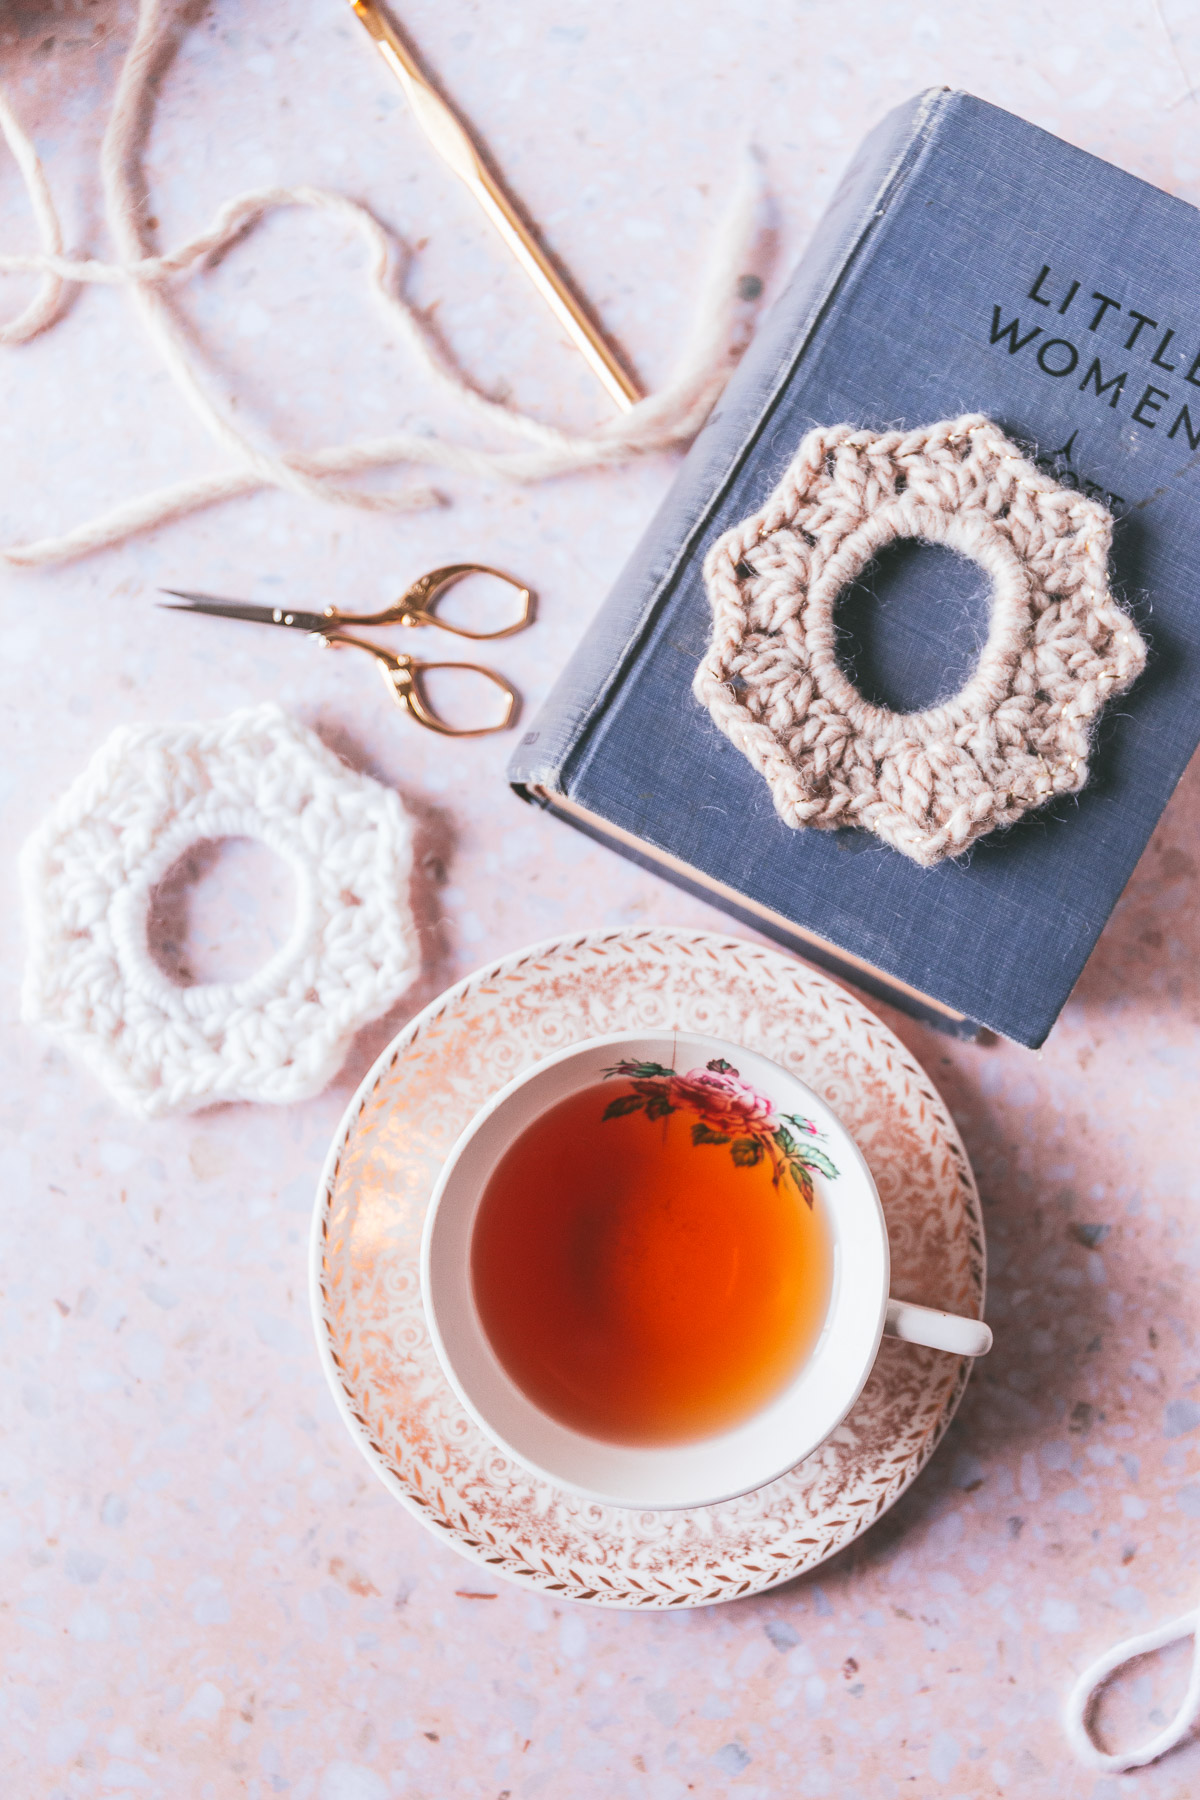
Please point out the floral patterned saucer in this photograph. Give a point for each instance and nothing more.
(366, 1292)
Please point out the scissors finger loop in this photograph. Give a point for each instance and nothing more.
(404, 676)
(422, 597)
(416, 606)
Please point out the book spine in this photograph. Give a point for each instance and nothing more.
(578, 697)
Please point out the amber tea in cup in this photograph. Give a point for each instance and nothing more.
(655, 1271)
(649, 1261)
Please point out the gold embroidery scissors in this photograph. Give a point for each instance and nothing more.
(404, 675)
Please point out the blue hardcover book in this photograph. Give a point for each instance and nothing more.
(969, 263)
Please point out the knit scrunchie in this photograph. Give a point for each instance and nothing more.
(928, 783)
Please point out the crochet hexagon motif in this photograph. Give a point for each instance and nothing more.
(1018, 734)
(148, 795)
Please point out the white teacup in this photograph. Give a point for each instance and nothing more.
(784, 1430)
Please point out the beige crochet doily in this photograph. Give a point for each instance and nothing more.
(928, 783)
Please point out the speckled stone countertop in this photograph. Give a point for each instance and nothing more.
(205, 1593)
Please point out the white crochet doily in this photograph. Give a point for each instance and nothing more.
(147, 796)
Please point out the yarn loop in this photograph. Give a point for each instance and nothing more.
(1083, 1696)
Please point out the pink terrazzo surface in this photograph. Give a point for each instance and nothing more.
(205, 1594)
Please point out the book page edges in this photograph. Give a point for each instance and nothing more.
(595, 824)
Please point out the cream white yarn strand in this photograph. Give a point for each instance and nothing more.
(1084, 1693)
(116, 157)
(660, 422)
(43, 308)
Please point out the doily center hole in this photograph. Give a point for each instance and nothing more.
(911, 627)
(220, 912)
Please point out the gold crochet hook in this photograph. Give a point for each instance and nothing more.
(449, 137)
(403, 675)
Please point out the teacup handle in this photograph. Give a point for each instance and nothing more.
(937, 1330)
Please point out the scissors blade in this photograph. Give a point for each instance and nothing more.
(253, 615)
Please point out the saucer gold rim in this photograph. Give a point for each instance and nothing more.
(365, 1287)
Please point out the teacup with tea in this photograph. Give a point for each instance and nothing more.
(655, 1269)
